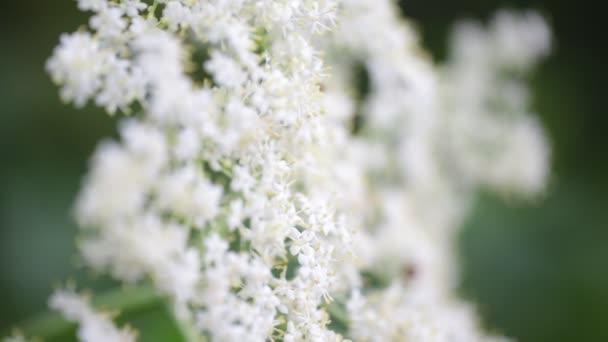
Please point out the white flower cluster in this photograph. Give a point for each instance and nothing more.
(426, 139)
(270, 197)
(93, 326)
(487, 102)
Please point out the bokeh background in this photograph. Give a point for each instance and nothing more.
(538, 270)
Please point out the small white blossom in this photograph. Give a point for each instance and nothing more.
(78, 63)
(132, 7)
(109, 22)
(93, 326)
(92, 5)
(176, 14)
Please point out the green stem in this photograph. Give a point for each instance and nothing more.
(152, 9)
(186, 327)
(125, 300)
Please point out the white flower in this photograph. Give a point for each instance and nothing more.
(123, 84)
(93, 326)
(133, 7)
(521, 39)
(92, 5)
(186, 193)
(236, 215)
(78, 63)
(163, 255)
(109, 22)
(188, 144)
(116, 188)
(176, 14)
(488, 123)
(254, 185)
(226, 71)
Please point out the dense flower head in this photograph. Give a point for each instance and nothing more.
(268, 196)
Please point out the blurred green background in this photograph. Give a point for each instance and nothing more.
(538, 271)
